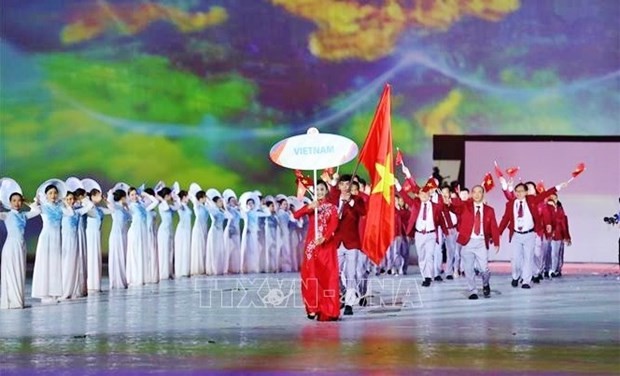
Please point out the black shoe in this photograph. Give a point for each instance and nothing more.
(427, 282)
(449, 277)
(389, 272)
(473, 297)
(477, 272)
(525, 286)
(553, 275)
(438, 279)
(311, 316)
(348, 310)
(515, 283)
(536, 280)
(486, 291)
(363, 302)
(546, 275)
(558, 274)
(382, 271)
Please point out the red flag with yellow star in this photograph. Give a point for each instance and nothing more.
(376, 156)
(487, 182)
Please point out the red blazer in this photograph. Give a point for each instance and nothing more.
(466, 212)
(532, 204)
(348, 226)
(539, 225)
(556, 218)
(401, 221)
(414, 209)
(447, 218)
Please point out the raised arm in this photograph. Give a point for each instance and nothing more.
(306, 210)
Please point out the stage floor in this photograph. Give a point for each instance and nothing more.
(255, 323)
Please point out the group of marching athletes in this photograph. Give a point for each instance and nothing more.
(462, 223)
(253, 234)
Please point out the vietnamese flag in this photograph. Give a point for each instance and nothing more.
(498, 171)
(579, 169)
(430, 185)
(376, 156)
(487, 182)
(512, 171)
(399, 157)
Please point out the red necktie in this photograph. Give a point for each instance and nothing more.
(424, 212)
(477, 221)
(520, 211)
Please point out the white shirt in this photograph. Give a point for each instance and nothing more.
(473, 234)
(428, 224)
(454, 219)
(525, 223)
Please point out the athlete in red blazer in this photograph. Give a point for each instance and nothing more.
(351, 209)
(476, 239)
(466, 212)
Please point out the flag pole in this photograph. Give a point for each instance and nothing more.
(316, 210)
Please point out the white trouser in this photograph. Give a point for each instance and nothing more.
(425, 247)
(450, 241)
(556, 246)
(437, 256)
(474, 254)
(545, 256)
(362, 273)
(522, 253)
(561, 258)
(348, 265)
(458, 260)
(412, 253)
(538, 258)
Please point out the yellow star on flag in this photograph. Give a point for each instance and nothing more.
(387, 179)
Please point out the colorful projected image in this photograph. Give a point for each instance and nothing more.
(189, 90)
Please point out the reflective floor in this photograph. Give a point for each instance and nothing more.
(256, 324)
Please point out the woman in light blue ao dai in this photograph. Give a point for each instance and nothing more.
(13, 263)
(183, 237)
(71, 287)
(117, 243)
(217, 257)
(199, 235)
(165, 236)
(137, 238)
(93, 241)
(47, 274)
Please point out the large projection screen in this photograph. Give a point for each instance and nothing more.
(590, 197)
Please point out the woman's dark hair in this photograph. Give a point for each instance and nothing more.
(93, 192)
(15, 194)
(131, 189)
(200, 195)
(321, 182)
(118, 195)
(182, 194)
(355, 184)
(280, 201)
(165, 191)
(250, 200)
(69, 193)
(50, 187)
(216, 199)
(150, 191)
(80, 192)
